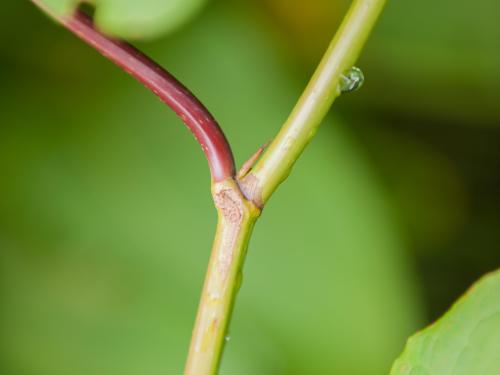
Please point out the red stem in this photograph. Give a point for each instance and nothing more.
(173, 93)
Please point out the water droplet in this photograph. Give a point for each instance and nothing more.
(227, 338)
(351, 80)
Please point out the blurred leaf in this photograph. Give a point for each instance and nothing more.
(425, 183)
(309, 25)
(135, 19)
(437, 58)
(464, 341)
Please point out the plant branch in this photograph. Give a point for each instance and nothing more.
(237, 217)
(197, 118)
(258, 184)
(303, 122)
(238, 200)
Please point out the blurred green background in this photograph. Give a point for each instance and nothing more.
(106, 218)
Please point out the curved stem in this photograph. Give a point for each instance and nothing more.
(197, 118)
(236, 218)
(313, 105)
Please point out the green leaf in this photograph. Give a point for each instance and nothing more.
(465, 341)
(135, 19)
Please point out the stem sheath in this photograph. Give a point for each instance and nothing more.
(236, 218)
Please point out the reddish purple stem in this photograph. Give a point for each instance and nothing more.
(194, 114)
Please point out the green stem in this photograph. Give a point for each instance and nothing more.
(238, 202)
(236, 218)
(303, 122)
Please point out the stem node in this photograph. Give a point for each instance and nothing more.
(236, 218)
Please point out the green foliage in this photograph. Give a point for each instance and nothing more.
(465, 341)
(450, 57)
(135, 19)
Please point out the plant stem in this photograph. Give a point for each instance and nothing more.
(276, 163)
(238, 202)
(236, 218)
(222, 280)
(173, 93)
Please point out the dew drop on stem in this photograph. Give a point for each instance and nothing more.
(351, 80)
